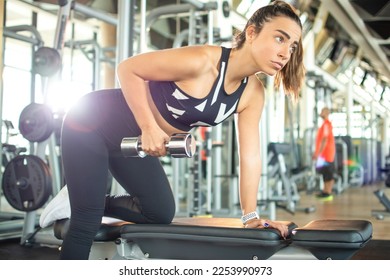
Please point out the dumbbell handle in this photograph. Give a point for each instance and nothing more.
(180, 145)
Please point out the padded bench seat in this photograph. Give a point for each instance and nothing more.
(225, 238)
(333, 239)
(205, 238)
(107, 232)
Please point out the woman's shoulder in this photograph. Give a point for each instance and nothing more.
(253, 95)
(204, 57)
(255, 83)
(207, 51)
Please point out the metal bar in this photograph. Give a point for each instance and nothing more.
(12, 32)
(125, 32)
(95, 13)
(165, 10)
(142, 34)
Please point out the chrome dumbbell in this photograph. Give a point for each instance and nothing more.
(180, 145)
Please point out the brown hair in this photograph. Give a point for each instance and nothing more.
(293, 73)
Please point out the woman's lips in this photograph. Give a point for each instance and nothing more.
(277, 65)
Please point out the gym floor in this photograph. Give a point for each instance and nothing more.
(353, 203)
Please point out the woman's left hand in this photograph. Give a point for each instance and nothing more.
(262, 223)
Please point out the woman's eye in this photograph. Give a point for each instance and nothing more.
(279, 39)
(293, 49)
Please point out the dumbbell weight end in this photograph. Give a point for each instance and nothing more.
(132, 147)
(180, 145)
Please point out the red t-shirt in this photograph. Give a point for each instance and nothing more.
(326, 131)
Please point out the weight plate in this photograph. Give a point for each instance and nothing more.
(47, 61)
(36, 122)
(27, 183)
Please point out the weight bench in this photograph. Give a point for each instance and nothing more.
(205, 238)
(225, 238)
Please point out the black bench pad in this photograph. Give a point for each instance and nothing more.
(225, 238)
(205, 238)
(334, 239)
(106, 232)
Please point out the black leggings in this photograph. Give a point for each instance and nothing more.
(90, 142)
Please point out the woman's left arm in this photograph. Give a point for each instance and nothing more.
(248, 123)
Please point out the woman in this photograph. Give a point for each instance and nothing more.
(166, 92)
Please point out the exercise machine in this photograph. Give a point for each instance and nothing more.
(381, 195)
(384, 200)
(226, 238)
(285, 190)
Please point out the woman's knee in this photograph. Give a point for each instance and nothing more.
(162, 215)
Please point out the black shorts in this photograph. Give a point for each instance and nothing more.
(327, 171)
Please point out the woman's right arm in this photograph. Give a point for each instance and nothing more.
(133, 74)
(135, 90)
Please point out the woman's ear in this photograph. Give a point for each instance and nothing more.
(250, 33)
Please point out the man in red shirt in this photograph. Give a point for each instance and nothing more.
(324, 155)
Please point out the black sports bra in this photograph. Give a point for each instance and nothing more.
(185, 112)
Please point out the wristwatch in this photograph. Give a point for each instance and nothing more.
(250, 216)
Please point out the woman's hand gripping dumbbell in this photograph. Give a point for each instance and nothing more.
(180, 145)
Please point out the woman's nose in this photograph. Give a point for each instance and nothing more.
(284, 53)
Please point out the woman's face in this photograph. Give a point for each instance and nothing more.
(273, 46)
